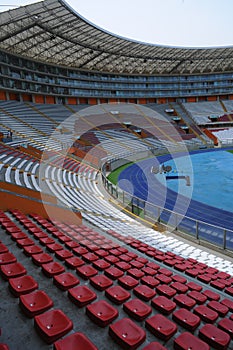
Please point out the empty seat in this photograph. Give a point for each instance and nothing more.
(214, 336)
(86, 271)
(194, 286)
(101, 264)
(184, 301)
(221, 309)
(163, 278)
(42, 258)
(135, 273)
(137, 309)
(90, 257)
(32, 249)
(25, 242)
(163, 304)
(22, 285)
(12, 270)
(211, 295)
(179, 287)
(7, 258)
(74, 262)
(81, 295)
(197, 296)
(128, 282)
(186, 319)
(161, 326)
(101, 312)
(127, 334)
(65, 280)
(35, 303)
(122, 265)
(3, 248)
(187, 340)
(101, 282)
(117, 294)
(144, 292)
(150, 281)
(63, 254)
(154, 346)
(70, 343)
(227, 326)
(228, 303)
(166, 291)
(206, 314)
(4, 347)
(113, 273)
(52, 268)
(52, 325)
(53, 247)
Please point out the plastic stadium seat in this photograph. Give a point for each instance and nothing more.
(166, 291)
(52, 268)
(70, 343)
(127, 334)
(71, 244)
(149, 271)
(46, 240)
(35, 303)
(101, 282)
(136, 264)
(65, 280)
(18, 235)
(101, 312)
(80, 251)
(218, 285)
(111, 259)
(22, 285)
(21, 243)
(161, 326)
(150, 281)
(187, 340)
(53, 247)
(12, 270)
(32, 249)
(128, 282)
(163, 305)
(113, 272)
(101, 253)
(135, 273)
(186, 319)
(226, 325)
(154, 346)
(197, 296)
(122, 265)
(4, 347)
(194, 286)
(214, 336)
(63, 254)
(206, 314)
(221, 309)
(81, 295)
(7, 258)
(86, 271)
(144, 292)
(101, 264)
(90, 257)
(3, 248)
(184, 301)
(42, 258)
(52, 325)
(229, 291)
(179, 287)
(164, 279)
(117, 294)
(211, 295)
(228, 303)
(74, 262)
(178, 278)
(137, 309)
(165, 272)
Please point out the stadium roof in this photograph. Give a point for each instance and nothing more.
(51, 31)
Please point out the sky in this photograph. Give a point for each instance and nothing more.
(186, 23)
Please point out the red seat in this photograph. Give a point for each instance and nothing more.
(186, 319)
(161, 327)
(154, 346)
(163, 279)
(101, 312)
(226, 325)
(150, 281)
(22, 285)
(4, 347)
(165, 272)
(178, 278)
(86, 271)
(101, 264)
(179, 287)
(211, 295)
(144, 292)
(228, 303)
(127, 334)
(3, 248)
(42, 258)
(46, 240)
(12, 270)
(137, 309)
(122, 265)
(214, 336)
(65, 280)
(81, 295)
(128, 282)
(135, 273)
(101, 282)
(194, 286)
(218, 285)
(206, 314)
(111, 259)
(71, 244)
(113, 272)
(63, 254)
(136, 264)
(52, 325)
(21, 243)
(187, 340)
(184, 301)
(40, 234)
(80, 251)
(229, 291)
(90, 257)
(149, 271)
(32, 249)
(197, 296)
(221, 309)
(163, 305)
(7, 258)
(35, 303)
(18, 235)
(53, 247)
(101, 253)
(52, 268)
(70, 343)
(74, 262)
(153, 265)
(166, 291)
(117, 294)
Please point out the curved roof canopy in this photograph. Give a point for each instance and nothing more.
(51, 31)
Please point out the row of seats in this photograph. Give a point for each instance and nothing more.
(117, 271)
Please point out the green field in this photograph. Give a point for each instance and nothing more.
(113, 176)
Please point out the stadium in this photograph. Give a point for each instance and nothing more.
(116, 176)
